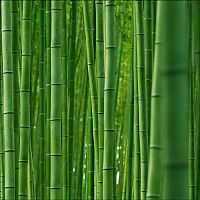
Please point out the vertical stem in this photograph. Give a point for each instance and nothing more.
(175, 95)
(148, 62)
(101, 77)
(90, 155)
(92, 80)
(2, 153)
(141, 98)
(55, 120)
(8, 99)
(15, 54)
(48, 98)
(70, 81)
(64, 104)
(137, 164)
(41, 98)
(109, 103)
(25, 100)
(155, 167)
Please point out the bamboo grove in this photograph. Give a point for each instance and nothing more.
(99, 99)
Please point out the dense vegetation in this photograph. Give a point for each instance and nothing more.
(99, 99)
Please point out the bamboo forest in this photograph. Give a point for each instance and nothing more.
(100, 99)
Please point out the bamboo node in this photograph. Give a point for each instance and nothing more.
(52, 84)
(26, 54)
(110, 47)
(56, 46)
(6, 30)
(107, 89)
(100, 113)
(23, 161)
(55, 119)
(9, 150)
(55, 188)
(109, 130)
(55, 154)
(7, 72)
(137, 34)
(109, 169)
(22, 195)
(24, 126)
(7, 187)
(8, 112)
(155, 147)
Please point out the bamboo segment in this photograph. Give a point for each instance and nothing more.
(2, 154)
(70, 81)
(64, 104)
(109, 102)
(90, 155)
(55, 120)
(148, 61)
(8, 99)
(15, 55)
(48, 98)
(25, 100)
(155, 167)
(42, 100)
(175, 94)
(137, 166)
(191, 155)
(141, 98)
(92, 80)
(101, 77)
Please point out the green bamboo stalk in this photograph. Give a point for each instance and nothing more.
(55, 120)
(8, 99)
(137, 166)
(191, 155)
(30, 174)
(141, 98)
(15, 54)
(153, 26)
(82, 141)
(70, 82)
(109, 101)
(148, 62)
(175, 94)
(90, 155)
(195, 63)
(155, 166)
(25, 100)
(92, 80)
(41, 98)
(130, 134)
(64, 104)
(48, 99)
(93, 21)
(2, 153)
(101, 77)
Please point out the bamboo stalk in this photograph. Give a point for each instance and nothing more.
(55, 120)
(8, 99)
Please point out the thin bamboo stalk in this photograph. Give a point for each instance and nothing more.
(109, 182)
(141, 98)
(25, 100)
